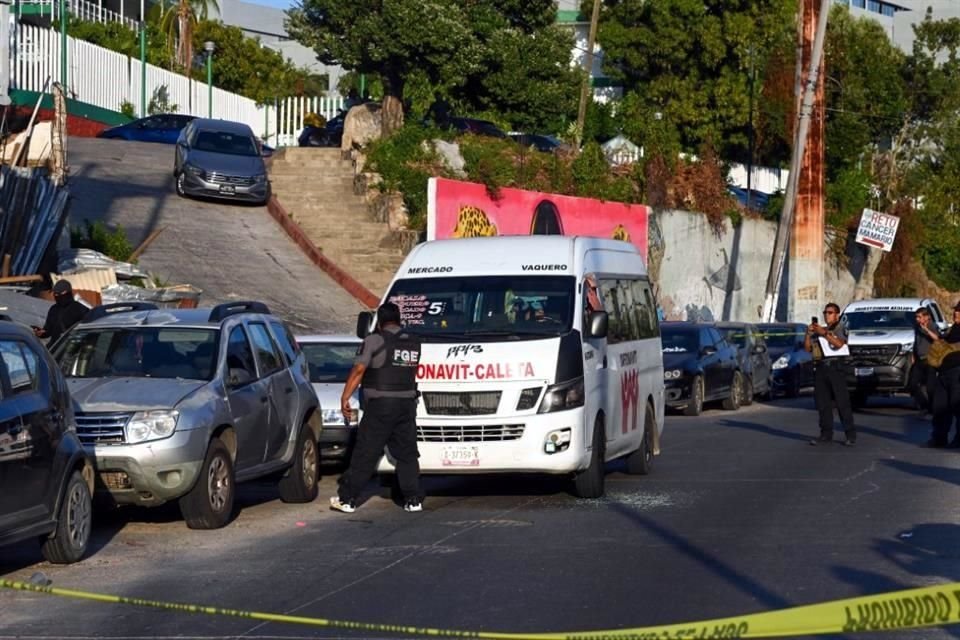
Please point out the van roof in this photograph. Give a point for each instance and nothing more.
(505, 254)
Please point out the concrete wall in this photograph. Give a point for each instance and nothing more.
(707, 276)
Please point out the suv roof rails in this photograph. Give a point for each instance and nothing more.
(226, 309)
(105, 310)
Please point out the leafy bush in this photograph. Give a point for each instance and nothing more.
(96, 236)
(406, 164)
(127, 109)
(160, 101)
(847, 195)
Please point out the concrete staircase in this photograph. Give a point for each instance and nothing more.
(315, 186)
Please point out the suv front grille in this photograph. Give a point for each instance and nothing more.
(461, 404)
(102, 428)
(220, 178)
(881, 353)
(471, 433)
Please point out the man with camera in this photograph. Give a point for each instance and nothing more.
(828, 344)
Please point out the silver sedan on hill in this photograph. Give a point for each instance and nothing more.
(220, 159)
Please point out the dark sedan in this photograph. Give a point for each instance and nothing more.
(220, 159)
(699, 366)
(792, 365)
(164, 128)
(546, 144)
(754, 358)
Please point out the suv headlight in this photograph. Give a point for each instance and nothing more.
(906, 348)
(151, 425)
(782, 362)
(560, 397)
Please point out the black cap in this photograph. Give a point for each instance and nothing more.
(62, 287)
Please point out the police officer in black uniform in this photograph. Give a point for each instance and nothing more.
(825, 342)
(387, 366)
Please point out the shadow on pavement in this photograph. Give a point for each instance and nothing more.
(946, 474)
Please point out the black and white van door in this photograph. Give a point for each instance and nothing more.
(593, 330)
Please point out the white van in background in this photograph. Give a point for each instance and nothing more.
(540, 354)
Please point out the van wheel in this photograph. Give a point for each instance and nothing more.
(748, 392)
(299, 483)
(74, 521)
(209, 504)
(695, 406)
(732, 402)
(640, 462)
(589, 482)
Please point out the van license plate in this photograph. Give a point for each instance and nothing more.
(863, 371)
(228, 188)
(460, 456)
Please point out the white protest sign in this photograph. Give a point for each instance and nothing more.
(877, 229)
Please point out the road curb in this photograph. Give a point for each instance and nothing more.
(341, 277)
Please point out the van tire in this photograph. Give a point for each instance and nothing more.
(209, 504)
(640, 462)
(589, 483)
(74, 521)
(732, 402)
(300, 483)
(695, 406)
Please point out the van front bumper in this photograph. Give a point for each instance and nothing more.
(450, 447)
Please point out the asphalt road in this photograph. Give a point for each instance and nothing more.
(739, 516)
(231, 251)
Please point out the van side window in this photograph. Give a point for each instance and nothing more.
(645, 309)
(608, 293)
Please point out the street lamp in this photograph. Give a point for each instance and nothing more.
(208, 46)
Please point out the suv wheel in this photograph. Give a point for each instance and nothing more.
(70, 540)
(209, 504)
(299, 484)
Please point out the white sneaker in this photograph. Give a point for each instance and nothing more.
(346, 507)
(413, 505)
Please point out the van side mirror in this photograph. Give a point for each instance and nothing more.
(364, 320)
(598, 322)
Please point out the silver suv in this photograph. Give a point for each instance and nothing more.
(182, 404)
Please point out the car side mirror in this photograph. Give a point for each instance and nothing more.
(364, 320)
(598, 322)
(237, 377)
(708, 350)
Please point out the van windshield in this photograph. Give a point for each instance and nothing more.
(880, 319)
(486, 305)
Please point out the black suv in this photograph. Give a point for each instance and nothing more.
(45, 477)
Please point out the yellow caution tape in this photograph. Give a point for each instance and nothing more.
(908, 609)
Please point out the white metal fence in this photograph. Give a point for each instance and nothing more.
(90, 11)
(107, 79)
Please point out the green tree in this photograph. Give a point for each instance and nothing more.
(118, 37)
(464, 53)
(179, 23)
(689, 61)
(865, 93)
(241, 65)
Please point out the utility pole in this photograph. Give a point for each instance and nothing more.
(782, 244)
(585, 88)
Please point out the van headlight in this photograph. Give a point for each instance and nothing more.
(151, 425)
(560, 397)
(782, 362)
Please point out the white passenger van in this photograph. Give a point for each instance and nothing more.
(540, 354)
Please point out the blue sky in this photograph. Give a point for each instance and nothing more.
(279, 4)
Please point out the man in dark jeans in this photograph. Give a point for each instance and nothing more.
(946, 398)
(828, 344)
(387, 366)
(923, 378)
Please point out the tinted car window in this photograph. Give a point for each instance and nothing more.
(222, 142)
(679, 340)
(266, 351)
(329, 362)
(285, 340)
(21, 364)
(239, 354)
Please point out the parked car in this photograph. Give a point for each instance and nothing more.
(791, 364)
(330, 359)
(180, 404)
(539, 142)
(754, 358)
(46, 479)
(699, 366)
(220, 159)
(474, 126)
(164, 128)
(881, 339)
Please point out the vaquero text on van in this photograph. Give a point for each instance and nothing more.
(549, 367)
